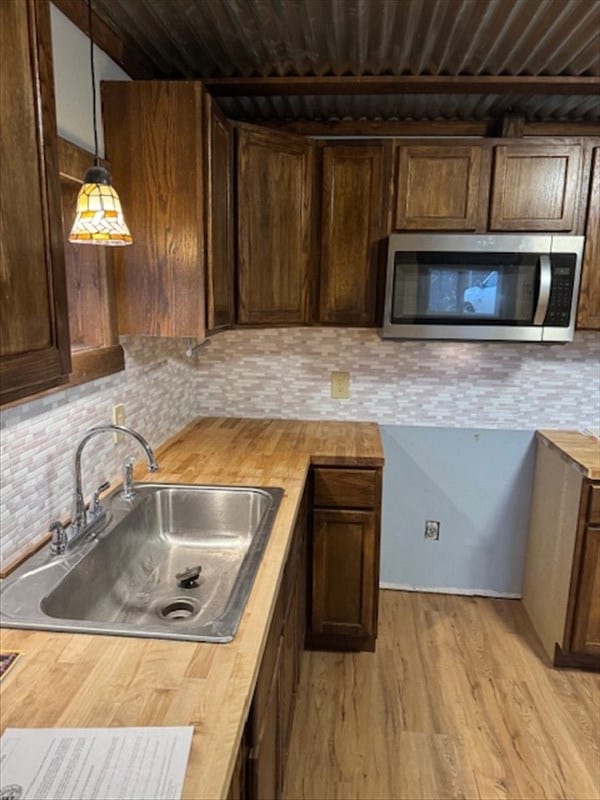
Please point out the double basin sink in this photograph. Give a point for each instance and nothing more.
(173, 562)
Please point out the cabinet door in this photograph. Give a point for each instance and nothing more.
(289, 666)
(535, 187)
(264, 763)
(351, 230)
(153, 132)
(586, 621)
(237, 787)
(588, 314)
(274, 227)
(220, 268)
(344, 573)
(442, 187)
(34, 326)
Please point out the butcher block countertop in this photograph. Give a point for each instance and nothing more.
(583, 449)
(78, 680)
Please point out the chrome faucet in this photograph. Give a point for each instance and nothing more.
(79, 523)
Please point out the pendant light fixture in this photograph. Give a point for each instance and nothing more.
(99, 216)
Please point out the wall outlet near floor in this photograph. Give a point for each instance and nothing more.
(118, 418)
(340, 385)
(432, 529)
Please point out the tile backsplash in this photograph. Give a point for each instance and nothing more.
(283, 372)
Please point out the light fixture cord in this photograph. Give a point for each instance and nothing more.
(96, 159)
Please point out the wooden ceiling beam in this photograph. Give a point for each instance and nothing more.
(404, 84)
(396, 127)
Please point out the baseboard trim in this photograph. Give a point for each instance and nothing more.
(450, 590)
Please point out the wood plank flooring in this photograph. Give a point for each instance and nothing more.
(459, 701)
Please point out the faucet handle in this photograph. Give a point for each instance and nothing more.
(59, 539)
(96, 505)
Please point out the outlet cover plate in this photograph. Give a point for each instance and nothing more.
(432, 529)
(340, 385)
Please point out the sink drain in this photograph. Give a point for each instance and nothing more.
(180, 608)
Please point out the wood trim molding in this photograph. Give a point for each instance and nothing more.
(366, 127)
(403, 84)
(126, 54)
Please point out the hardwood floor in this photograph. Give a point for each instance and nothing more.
(459, 701)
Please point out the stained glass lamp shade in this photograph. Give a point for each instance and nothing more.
(99, 217)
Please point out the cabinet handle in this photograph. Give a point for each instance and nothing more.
(544, 296)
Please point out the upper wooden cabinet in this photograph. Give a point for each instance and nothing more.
(275, 174)
(220, 265)
(535, 187)
(442, 187)
(351, 231)
(153, 132)
(588, 314)
(34, 344)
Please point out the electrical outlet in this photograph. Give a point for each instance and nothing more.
(432, 529)
(118, 417)
(340, 385)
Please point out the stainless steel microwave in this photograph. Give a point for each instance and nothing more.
(485, 287)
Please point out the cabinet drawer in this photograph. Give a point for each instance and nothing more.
(344, 488)
(594, 505)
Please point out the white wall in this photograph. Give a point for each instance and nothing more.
(73, 82)
(477, 484)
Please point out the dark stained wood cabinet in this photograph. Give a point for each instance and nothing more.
(588, 313)
(275, 176)
(34, 342)
(351, 232)
(237, 786)
(220, 264)
(154, 133)
(442, 187)
(344, 558)
(585, 638)
(270, 720)
(535, 187)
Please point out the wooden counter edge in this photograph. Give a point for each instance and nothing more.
(551, 438)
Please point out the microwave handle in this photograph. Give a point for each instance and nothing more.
(544, 295)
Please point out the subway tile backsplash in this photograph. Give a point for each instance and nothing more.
(284, 372)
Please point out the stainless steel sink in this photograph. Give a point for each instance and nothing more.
(124, 581)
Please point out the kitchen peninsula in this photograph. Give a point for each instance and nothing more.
(67, 680)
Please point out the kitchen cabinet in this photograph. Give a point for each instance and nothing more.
(275, 227)
(561, 587)
(585, 638)
(351, 233)
(237, 786)
(154, 142)
(442, 187)
(34, 350)
(270, 720)
(588, 313)
(344, 558)
(535, 187)
(220, 264)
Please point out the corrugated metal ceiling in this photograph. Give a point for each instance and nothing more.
(224, 38)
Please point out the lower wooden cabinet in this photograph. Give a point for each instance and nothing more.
(561, 588)
(336, 591)
(237, 787)
(344, 558)
(585, 637)
(270, 720)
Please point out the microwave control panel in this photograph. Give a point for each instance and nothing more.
(561, 290)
